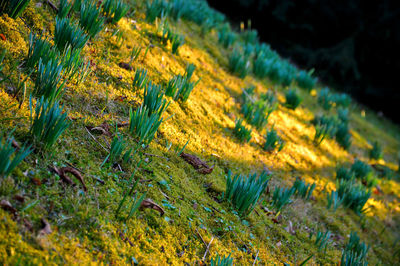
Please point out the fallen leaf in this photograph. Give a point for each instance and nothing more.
(19, 198)
(104, 129)
(125, 66)
(148, 203)
(6, 205)
(3, 37)
(61, 172)
(46, 229)
(201, 166)
(206, 171)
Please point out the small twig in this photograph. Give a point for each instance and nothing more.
(204, 242)
(208, 247)
(165, 195)
(254, 263)
(155, 155)
(53, 6)
(94, 138)
(80, 170)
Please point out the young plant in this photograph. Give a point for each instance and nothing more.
(226, 37)
(90, 18)
(360, 169)
(293, 99)
(114, 10)
(238, 64)
(353, 196)
(180, 87)
(273, 141)
(10, 156)
(342, 99)
(250, 36)
(355, 252)
(241, 132)
(376, 152)
(261, 66)
(343, 173)
(334, 200)
(13, 8)
(243, 192)
(322, 240)
(118, 146)
(343, 115)
(305, 80)
(258, 112)
(281, 198)
(343, 136)
(177, 41)
(39, 49)
(321, 131)
(221, 261)
(140, 80)
(154, 99)
(63, 9)
(68, 34)
(303, 189)
(328, 124)
(48, 82)
(144, 125)
(325, 98)
(48, 121)
(135, 54)
(156, 9)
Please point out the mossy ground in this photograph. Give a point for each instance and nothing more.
(84, 228)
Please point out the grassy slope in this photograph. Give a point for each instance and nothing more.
(84, 228)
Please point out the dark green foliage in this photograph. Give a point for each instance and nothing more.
(281, 71)
(261, 67)
(221, 261)
(273, 141)
(363, 172)
(328, 123)
(343, 136)
(73, 64)
(154, 99)
(238, 64)
(257, 113)
(10, 157)
(241, 132)
(322, 240)
(355, 252)
(250, 36)
(177, 41)
(344, 173)
(118, 146)
(68, 34)
(334, 200)
(353, 196)
(144, 125)
(13, 8)
(39, 49)
(321, 131)
(63, 9)
(156, 9)
(293, 99)
(140, 80)
(376, 151)
(226, 36)
(325, 98)
(48, 121)
(114, 10)
(342, 99)
(281, 197)
(305, 80)
(343, 115)
(303, 189)
(180, 87)
(48, 82)
(90, 18)
(135, 54)
(243, 192)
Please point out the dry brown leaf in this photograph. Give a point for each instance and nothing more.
(6, 205)
(61, 172)
(125, 66)
(201, 166)
(46, 229)
(148, 203)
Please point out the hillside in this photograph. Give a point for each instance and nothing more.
(75, 196)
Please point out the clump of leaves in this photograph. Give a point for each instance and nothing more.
(273, 141)
(353, 196)
(226, 37)
(68, 34)
(117, 148)
(281, 197)
(363, 172)
(293, 99)
(321, 240)
(90, 18)
(261, 66)
(243, 192)
(154, 99)
(48, 82)
(13, 8)
(376, 151)
(343, 115)
(63, 9)
(48, 121)
(221, 261)
(177, 41)
(342, 99)
(180, 87)
(156, 9)
(140, 79)
(39, 48)
(334, 200)
(238, 64)
(321, 131)
(11, 157)
(325, 98)
(241, 132)
(343, 136)
(305, 80)
(303, 189)
(355, 252)
(114, 10)
(257, 113)
(343, 173)
(143, 124)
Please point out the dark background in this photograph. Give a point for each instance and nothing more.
(352, 44)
